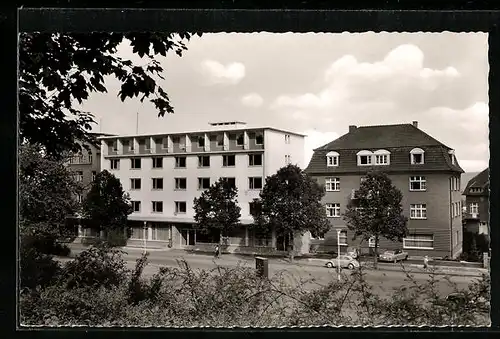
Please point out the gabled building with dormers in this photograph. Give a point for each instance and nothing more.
(477, 203)
(163, 173)
(425, 170)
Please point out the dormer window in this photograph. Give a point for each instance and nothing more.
(332, 159)
(364, 158)
(417, 156)
(382, 157)
(452, 156)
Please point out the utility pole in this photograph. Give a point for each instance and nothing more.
(338, 255)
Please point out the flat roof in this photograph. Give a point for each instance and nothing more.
(200, 132)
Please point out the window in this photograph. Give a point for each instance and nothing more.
(333, 210)
(381, 159)
(332, 159)
(78, 176)
(115, 146)
(115, 164)
(157, 162)
(455, 241)
(252, 208)
(136, 206)
(176, 139)
(231, 181)
(157, 206)
(419, 241)
(180, 162)
(474, 208)
(204, 161)
(79, 198)
(135, 163)
(417, 156)
(255, 183)
(287, 138)
(157, 183)
(364, 158)
(147, 144)
(180, 183)
(332, 184)
(228, 160)
(203, 183)
(90, 157)
(317, 236)
(94, 174)
(240, 140)
(201, 141)
(180, 207)
(259, 139)
(343, 238)
(288, 159)
(418, 211)
(220, 140)
(418, 183)
(135, 184)
(255, 159)
(165, 143)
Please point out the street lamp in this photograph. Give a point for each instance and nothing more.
(144, 236)
(338, 255)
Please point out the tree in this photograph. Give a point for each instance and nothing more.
(217, 208)
(106, 205)
(46, 194)
(376, 211)
(56, 71)
(291, 202)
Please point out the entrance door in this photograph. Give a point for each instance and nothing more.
(191, 237)
(283, 242)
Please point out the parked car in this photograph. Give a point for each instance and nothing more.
(346, 261)
(393, 256)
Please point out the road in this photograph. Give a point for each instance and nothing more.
(383, 281)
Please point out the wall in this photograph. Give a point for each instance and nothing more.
(438, 218)
(276, 149)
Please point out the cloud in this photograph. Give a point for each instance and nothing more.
(314, 140)
(218, 73)
(400, 78)
(252, 100)
(473, 166)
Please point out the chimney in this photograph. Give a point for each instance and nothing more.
(415, 123)
(352, 128)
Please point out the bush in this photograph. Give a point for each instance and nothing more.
(97, 289)
(116, 238)
(97, 266)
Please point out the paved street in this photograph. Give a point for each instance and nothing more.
(383, 281)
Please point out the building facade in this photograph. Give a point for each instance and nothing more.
(163, 173)
(422, 168)
(477, 193)
(84, 166)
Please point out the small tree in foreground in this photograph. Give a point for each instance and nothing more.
(106, 205)
(376, 211)
(217, 208)
(291, 202)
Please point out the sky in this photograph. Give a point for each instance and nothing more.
(319, 84)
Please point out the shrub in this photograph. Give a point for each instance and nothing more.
(97, 266)
(116, 238)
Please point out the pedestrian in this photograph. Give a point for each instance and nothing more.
(426, 262)
(217, 251)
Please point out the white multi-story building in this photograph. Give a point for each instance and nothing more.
(163, 173)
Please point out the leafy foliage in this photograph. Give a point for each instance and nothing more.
(291, 202)
(236, 296)
(46, 192)
(217, 208)
(376, 211)
(106, 205)
(57, 71)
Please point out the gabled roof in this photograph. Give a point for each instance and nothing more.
(482, 180)
(382, 136)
